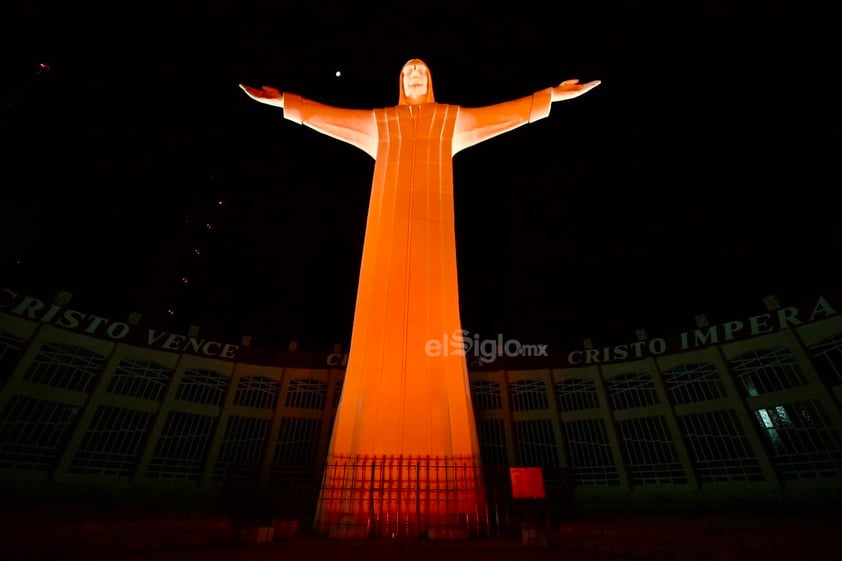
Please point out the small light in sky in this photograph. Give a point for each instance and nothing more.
(209, 226)
(185, 280)
(197, 251)
(219, 202)
(338, 73)
(171, 312)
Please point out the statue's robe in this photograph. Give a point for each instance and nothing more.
(406, 391)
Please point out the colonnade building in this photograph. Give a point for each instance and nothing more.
(746, 412)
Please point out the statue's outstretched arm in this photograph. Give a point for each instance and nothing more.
(572, 88)
(474, 125)
(357, 127)
(267, 95)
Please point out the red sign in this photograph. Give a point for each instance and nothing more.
(527, 483)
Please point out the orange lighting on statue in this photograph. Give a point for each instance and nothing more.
(399, 400)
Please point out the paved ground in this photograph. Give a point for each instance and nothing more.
(318, 550)
(31, 535)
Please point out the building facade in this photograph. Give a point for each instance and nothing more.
(90, 407)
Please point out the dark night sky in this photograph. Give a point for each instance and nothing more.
(701, 176)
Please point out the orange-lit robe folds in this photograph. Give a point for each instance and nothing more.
(398, 399)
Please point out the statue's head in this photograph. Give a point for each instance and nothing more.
(416, 84)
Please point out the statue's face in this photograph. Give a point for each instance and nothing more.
(415, 79)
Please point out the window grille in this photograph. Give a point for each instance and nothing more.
(692, 383)
(69, 367)
(140, 378)
(112, 443)
(486, 395)
(650, 451)
(719, 448)
(804, 444)
(536, 443)
(529, 395)
(182, 447)
(768, 370)
(298, 441)
(591, 457)
(203, 386)
(628, 391)
(33, 432)
(306, 393)
(258, 392)
(577, 394)
(491, 434)
(241, 450)
(827, 358)
(10, 352)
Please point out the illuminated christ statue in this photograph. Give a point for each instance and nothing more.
(398, 398)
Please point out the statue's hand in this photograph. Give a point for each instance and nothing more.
(572, 88)
(265, 94)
